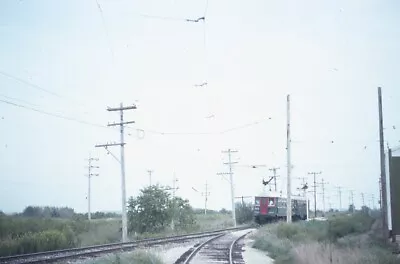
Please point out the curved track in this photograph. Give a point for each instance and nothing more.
(221, 248)
(74, 253)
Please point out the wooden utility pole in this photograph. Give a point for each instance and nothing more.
(383, 166)
(205, 194)
(90, 175)
(121, 124)
(315, 191)
(289, 166)
(150, 172)
(230, 163)
(274, 169)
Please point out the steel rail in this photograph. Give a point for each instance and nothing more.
(233, 244)
(197, 249)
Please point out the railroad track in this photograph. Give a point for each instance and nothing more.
(221, 248)
(94, 251)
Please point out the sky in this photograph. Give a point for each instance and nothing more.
(64, 62)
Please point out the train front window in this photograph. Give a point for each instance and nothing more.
(271, 202)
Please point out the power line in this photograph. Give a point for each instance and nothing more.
(18, 100)
(102, 126)
(37, 87)
(30, 84)
(52, 114)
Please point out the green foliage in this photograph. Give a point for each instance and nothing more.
(28, 235)
(40, 241)
(351, 208)
(47, 212)
(101, 232)
(344, 236)
(223, 211)
(343, 225)
(244, 212)
(153, 210)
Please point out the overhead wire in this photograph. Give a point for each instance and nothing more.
(30, 84)
(105, 30)
(18, 100)
(51, 114)
(40, 88)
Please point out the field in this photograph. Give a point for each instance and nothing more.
(343, 239)
(19, 235)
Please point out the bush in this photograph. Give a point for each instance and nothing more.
(343, 225)
(244, 212)
(28, 235)
(35, 242)
(344, 238)
(153, 211)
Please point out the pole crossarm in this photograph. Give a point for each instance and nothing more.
(109, 145)
(121, 123)
(132, 107)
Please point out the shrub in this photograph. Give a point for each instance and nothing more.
(343, 225)
(244, 212)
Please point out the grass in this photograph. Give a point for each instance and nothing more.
(19, 235)
(137, 257)
(203, 223)
(343, 239)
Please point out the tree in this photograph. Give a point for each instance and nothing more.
(32, 211)
(223, 211)
(244, 212)
(351, 208)
(182, 212)
(153, 210)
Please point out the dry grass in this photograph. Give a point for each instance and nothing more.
(320, 253)
(342, 240)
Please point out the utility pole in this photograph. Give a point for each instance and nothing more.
(230, 163)
(90, 175)
(380, 189)
(340, 197)
(323, 195)
(289, 166)
(121, 124)
(150, 172)
(383, 166)
(362, 198)
(274, 169)
(373, 201)
(305, 188)
(351, 199)
(315, 191)
(174, 188)
(205, 194)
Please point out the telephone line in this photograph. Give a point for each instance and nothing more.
(51, 114)
(103, 126)
(37, 87)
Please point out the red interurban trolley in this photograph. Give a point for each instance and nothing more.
(273, 206)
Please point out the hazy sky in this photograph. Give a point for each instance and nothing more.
(330, 56)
